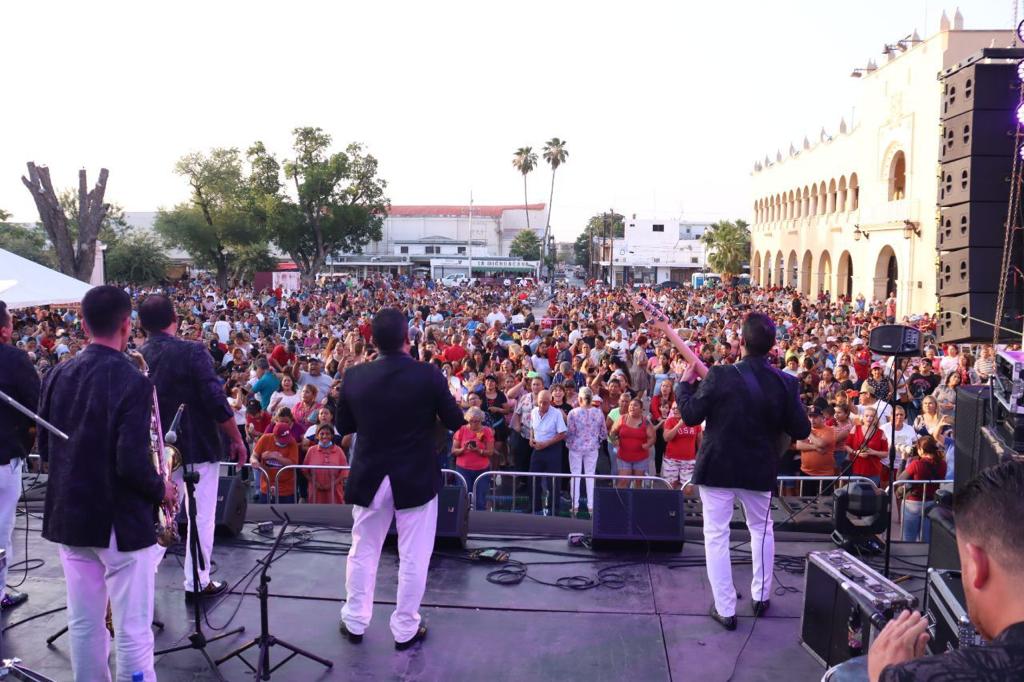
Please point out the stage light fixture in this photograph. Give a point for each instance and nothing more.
(1020, 31)
(1020, 70)
(1020, 113)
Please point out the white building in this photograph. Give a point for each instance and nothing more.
(854, 211)
(443, 230)
(656, 250)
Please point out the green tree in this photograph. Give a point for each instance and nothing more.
(220, 218)
(555, 154)
(728, 246)
(339, 204)
(250, 259)
(524, 161)
(526, 245)
(595, 229)
(136, 258)
(24, 241)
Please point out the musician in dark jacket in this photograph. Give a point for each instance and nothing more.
(393, 405)
(103, 491)
(751, 411)
(19, 380)
(183, 373)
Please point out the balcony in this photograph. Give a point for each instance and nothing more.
(890, 213)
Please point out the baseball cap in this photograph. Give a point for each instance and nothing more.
(857, 342)
(814, 411)
(808, 345)
(282, 432)
(877, 364)
(867, 388)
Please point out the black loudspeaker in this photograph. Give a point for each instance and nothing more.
(895, 339)
(977, 178)
(978, 133)
(972, 403)
(942, 552)
(956, 312)
(1009, 427)
(452, 518)
(646, 518)
(979, 83)
(975, 223)
(232, 503)
(969, 270)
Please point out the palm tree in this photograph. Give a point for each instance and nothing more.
(524, 161)
(728, 246)
(555, 154)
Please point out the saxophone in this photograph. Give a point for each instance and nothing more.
(166, 458)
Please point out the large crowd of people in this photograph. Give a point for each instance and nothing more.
(577, 382)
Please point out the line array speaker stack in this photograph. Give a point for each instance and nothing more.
(979, 124)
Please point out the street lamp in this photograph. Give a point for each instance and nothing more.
(910, 229)
(857, 233)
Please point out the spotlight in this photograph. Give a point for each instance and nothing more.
(1020, 113)
(1020, 30)
(1021, 151)
(1020, 70)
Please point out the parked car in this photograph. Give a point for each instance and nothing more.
(668, 284)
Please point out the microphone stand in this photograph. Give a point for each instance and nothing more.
(197, 640)
(892, 460)
(265, 640)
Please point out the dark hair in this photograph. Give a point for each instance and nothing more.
(990, 507)
(156, 313)
(5, 316)
(390, 330)
(758, 334)
(105, 308)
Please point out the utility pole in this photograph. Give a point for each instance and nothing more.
(604, 242)
(469, 243)
(611, 253)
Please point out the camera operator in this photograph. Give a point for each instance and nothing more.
(990, 541)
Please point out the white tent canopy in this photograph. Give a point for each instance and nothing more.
(24, 284)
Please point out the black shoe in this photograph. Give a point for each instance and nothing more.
(11, 599)
(729, 623)
(760, 607)
(212, 589)
(420, 635)
(350, 636)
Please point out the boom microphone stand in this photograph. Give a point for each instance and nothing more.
(197, 640)
(265, 640)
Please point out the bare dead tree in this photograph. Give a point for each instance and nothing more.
(75, 255)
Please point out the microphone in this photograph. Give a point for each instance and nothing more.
(172, 433)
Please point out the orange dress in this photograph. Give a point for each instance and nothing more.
(326, 486)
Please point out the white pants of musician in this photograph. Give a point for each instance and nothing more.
(92, 575)
(10, 491)
(717, 510)
(416, 530)
(206, 518)
(585, 461)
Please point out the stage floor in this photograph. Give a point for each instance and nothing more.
(654, 628)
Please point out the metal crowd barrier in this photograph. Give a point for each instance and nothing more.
(489, 477)
(273, 489)
(924, 504)
(823, 489)
(256, 471)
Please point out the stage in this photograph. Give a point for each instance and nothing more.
(654, 627)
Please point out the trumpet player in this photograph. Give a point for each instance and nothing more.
(102, 492)
(183, 374)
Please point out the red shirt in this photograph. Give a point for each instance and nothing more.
(454, 354)
(281, 355)
(474, 459)
(366, 331)
(867, 466)
(684, 445)
(260, 423)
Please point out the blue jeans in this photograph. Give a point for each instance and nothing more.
(916, 521)
(480, 503)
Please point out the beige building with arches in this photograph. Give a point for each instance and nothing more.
(854, 212)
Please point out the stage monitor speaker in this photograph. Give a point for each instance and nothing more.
(978, 178)
(942, 553)
(232, 503)
(971, 224)
(978, 133)
(452, 518)
(895, 339)
(1009, 428)
(969, 270)
(968, 317)
(979, 82)
(972, 403)
(646, 518)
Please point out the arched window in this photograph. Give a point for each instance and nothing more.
(822, 198)
(854, 192)
(898, 176)
(814, 201)
(841, 196)
(805, 208)
(831, 208)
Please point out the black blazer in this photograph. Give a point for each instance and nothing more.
(740, 444)
(19, 380)
(393, 405)
(183, 373)
(103, 476)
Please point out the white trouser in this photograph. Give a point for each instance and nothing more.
(416, 529)
(585, 461)
(717, 510)
(92, 575)
(10, 491)
(206, 518)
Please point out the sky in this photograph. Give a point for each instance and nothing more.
(664, 106)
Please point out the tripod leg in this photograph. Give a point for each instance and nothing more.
(239, 651)
(296, 650)
(55, 636)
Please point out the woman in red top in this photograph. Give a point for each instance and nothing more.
(326, 486)
(636, 438)
(473, 447)
(868, 446)
(929, 465)
(661, 407)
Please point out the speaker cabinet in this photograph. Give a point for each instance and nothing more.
(642, 518)
(978, 178)
(972, 405)
(942, 552)
(971, 224)
(969, 270)
(452, 518)
(978, 133)
(976, 84)
(232, 504)
(968, 317)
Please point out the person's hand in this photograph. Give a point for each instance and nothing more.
(690, 375)
(237, 451)
(170, 492)
(902, 639)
